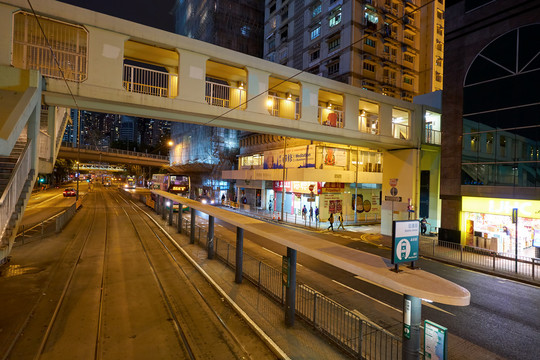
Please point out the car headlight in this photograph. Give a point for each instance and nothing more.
(168, 203)
(203, 201)
(125, 186)
(212, 201)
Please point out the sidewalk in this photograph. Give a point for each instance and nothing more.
(489, 262)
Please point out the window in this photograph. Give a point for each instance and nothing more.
(394, 51)
(272, 7)
(438, 62)
(285, 13)
(438, 76)
(273, 23)
(284, 34)
(333, 68)
(440, 30)
(407, 80)
(316, 10)
(371, 17)
(408, 36)
(315, 33)
(408, 58)
(474, 143)
(502, 146)
(386, 49)
(369, 67)
(440, 15)
(336, 18)
(370, 42)
(489, 143)
(271, 43)
(315, 55)
(334, 44)
(439, 45)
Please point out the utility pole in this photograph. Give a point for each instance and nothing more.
(284, 175)
(78, 152)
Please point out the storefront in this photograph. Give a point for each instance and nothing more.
(297, 195)
(487, 223)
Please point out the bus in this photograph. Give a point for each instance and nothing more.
(178, 184)
(130, 182)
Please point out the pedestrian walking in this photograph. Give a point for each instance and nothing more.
(316, 213)
(340, 218)
(310, 214)
(304, 212)
(423, 225)
(331, 221)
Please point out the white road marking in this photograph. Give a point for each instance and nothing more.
(401, 311)
(369, 297)
(270, 251)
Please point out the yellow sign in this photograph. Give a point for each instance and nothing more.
(526, 208)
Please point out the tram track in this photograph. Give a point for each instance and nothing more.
(223, 317)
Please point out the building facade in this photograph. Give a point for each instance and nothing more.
(386, 46)
(491, 143)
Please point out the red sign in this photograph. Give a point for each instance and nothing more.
(393, 182)
(311, 187)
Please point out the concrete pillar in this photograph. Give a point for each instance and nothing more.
(179, 225)
(192, 228)
(257, 83)
(290, 291)
(191, 76)
(412, 311)
(310, 100)
(351, 112)
(239, 254)
(171, 212)
(163, 208)
(210, 237)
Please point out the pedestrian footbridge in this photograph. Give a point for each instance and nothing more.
(55, 57)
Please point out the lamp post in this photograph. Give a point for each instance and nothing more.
(78, 152)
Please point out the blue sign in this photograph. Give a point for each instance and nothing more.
(405, 241)
(435, 341)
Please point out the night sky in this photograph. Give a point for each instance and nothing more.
(156, 13)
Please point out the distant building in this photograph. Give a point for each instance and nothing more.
(387, 46)
(490, 148)
(236, 25)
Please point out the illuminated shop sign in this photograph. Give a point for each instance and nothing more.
(526, 208)
(295, 186)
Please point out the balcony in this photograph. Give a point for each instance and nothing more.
(148, 81)
(285, 107)
(432, 136)
(223, 95)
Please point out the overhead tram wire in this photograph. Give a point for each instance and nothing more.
(303, 71)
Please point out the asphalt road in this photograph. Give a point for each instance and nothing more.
(501, 321)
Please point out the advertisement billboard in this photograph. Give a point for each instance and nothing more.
(334, 156)
(296, 157)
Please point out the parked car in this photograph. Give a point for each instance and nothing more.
(70, 192)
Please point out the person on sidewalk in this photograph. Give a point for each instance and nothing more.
(331, 221)
(340, 218)
(316, 213)
(423, 226)
(304, 213)
(310, 214)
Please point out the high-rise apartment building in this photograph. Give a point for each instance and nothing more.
(391, 47)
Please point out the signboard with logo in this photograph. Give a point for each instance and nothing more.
(296, 157)
(405, 241)
(301, 187)
(435, 341)
(334, 156)
(526, 208)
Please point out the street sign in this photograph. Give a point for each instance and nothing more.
(311, 187)
(311, 199)
(405, 241)
(393, 191)
(407, 319)
(435, 341)
(393, 182)
(514, 216)
(393, 198)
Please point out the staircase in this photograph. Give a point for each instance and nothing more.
(7, 163)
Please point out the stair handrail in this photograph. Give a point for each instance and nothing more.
(14, 187)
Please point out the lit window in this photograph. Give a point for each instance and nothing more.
(316, 10)
(336, 19)
(371, 17)
(316, 32)
(407, 80)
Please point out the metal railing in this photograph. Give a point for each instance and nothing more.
(400, 131)
(116, 151)
(224, 95)
(31, 49)
(432, 136)
(523, 267)
(146, 81)
(283, 107)
(14, 188)
(361, 339)
(334, 117)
